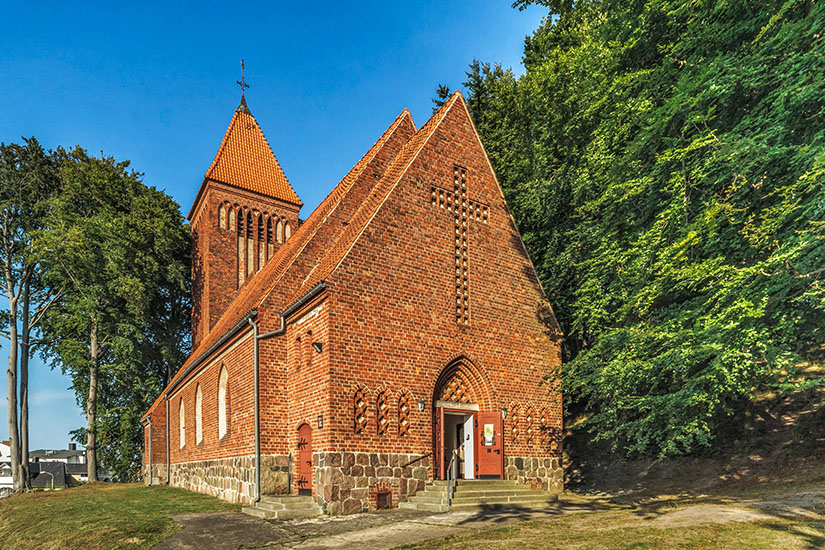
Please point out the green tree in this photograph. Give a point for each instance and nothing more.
(121, 252)
(27, 180)
(664, 161)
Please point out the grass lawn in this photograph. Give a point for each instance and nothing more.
(99, 515)
(626, 530)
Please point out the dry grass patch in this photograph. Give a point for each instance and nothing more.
(97, 516)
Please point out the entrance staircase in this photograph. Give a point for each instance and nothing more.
(285, 507)
(474, 495)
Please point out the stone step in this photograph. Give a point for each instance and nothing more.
(424, 506)
(286, 498)
(276, 506)
(498, 499)
(479, 483)
(280, 514)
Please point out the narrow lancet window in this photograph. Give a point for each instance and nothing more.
(223, 403)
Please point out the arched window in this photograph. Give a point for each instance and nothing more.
(261, 243)
(241, 248)
(279, 232)
(269, 248)
(222, 217)
(182, 422)
(198, 415)
(232, 219)
(250, 246)
(223, 402)
(287, 231)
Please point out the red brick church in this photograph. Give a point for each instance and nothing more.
(346, 356)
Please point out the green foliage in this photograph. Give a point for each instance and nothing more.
(442, 93)
(664, 160)
(121, 252)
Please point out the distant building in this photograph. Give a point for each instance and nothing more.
(72, 472)
(5, 469)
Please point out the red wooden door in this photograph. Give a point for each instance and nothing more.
(489, 460)
(438, 442)
(304, 460)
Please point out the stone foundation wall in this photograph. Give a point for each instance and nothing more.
(158, 474)
(348, 483)
(230, 479)
(544, 473)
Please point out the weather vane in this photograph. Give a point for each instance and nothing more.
(242, 82)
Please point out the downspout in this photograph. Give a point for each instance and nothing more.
(256, 365)
(168, 458)
(150, 451)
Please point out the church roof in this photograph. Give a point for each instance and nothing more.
(245, 160)
(336, 253)
(262, 283)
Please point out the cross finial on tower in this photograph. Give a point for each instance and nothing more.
(242, 82)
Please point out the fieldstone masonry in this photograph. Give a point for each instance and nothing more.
(348, 483)
(544, 473)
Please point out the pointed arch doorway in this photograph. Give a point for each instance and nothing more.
(467, 431)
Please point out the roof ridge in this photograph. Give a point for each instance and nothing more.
(347, 239)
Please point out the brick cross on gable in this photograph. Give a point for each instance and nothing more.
(463, 209)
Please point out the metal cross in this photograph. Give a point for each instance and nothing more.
(242, 82)
(463, 210)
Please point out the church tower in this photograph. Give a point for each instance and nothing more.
(244, 211)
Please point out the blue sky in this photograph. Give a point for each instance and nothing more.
(155, 84)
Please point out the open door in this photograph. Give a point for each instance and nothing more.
(490, 459)
(438, 441)
(304, 473)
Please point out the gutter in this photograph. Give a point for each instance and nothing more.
(203, 356)
(313, 292)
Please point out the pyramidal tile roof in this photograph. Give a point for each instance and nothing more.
(261, 284)
(245, 160)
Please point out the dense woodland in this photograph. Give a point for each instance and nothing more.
(664, 162)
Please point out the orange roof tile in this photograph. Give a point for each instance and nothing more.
(246, 160)
(258, 288)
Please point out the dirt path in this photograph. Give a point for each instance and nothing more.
(393, 528)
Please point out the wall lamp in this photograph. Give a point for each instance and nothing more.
(320, 421)
(318, 347)
(420, 405)
(503, 413)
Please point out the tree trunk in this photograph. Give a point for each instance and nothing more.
(25, 350)
(11, 372)
(91, 404)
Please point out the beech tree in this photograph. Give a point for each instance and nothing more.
(27, 181)
(120, 250)
(664, 162)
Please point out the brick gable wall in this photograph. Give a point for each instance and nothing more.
(392, 305)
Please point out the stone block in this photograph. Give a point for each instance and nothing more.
(348, 460)
(383, 471)
(333, 459)
(419, 473)
(335, 508)
(362, 458)
(356, 471)
(352, 506)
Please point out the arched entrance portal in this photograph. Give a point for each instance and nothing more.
(467, 431)
(304, 460)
